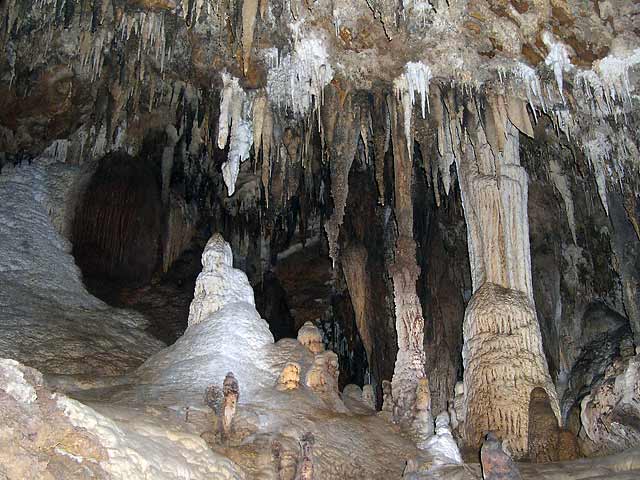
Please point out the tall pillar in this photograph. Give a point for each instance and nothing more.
(502, 354)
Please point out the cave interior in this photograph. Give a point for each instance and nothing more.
(329, 239)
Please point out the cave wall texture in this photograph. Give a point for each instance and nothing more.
(469, 167)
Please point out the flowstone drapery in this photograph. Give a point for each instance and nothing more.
(502, 354)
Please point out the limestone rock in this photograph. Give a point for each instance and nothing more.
(610, 413)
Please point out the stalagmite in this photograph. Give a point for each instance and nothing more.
(369, 396)
(442, 446)
(502, 354)
(387, 396)
(231, 393)
(322, 377)
(409, 366)
(309, 335)
(422, 426)
(543, 429)
(289, 379)
(496, 464)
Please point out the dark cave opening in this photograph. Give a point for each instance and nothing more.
(117, 226)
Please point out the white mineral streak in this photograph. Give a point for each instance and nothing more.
(502, 355)
(560, 181)
(12, 381)
(297, 82)
(235, 114)
(597, 149)
(149, 27)
(558, 59)
(614, 74)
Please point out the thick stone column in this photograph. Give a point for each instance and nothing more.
(502, 355)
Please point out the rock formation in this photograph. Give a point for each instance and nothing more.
(289, 379)
(311, 338)
(502, 355)
(544, 433)
(442, 194)
(230, 393)
(496, 463)
(609, 411)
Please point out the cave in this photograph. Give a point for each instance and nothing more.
(296, 240)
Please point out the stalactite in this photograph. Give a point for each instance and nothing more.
(354, 266)
(502, 354)
(381, 136)
(409, 366)
(235, 112)
(266, 139)
(343, 144)
(249, 13)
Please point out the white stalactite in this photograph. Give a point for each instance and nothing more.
(235, 114)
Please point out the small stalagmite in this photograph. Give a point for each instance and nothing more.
(496, 464)
(387, 396)
(322, 377)
(289, 377)
(213, 398)
(369, 396)
(543, 428)
(309, 335)
(422, 427)
(231, 394)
